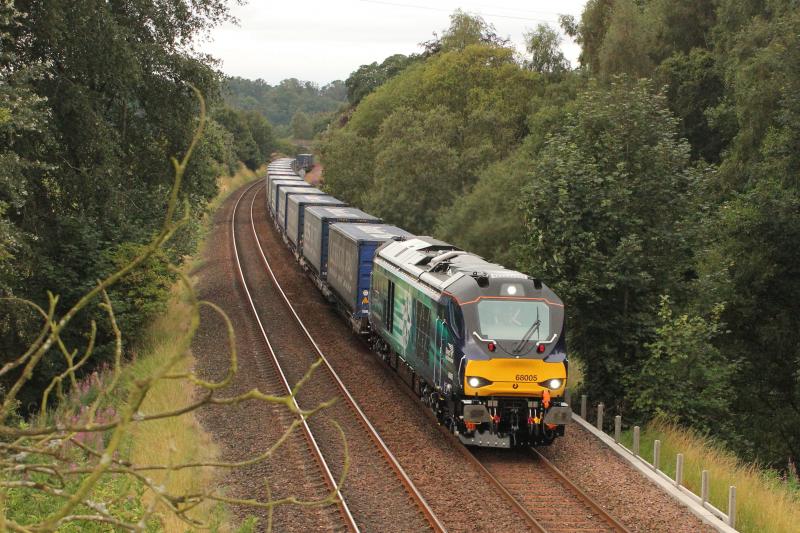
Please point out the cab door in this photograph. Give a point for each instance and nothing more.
(443, 353)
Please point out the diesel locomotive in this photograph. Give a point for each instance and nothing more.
(484, 345)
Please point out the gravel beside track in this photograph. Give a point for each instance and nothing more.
(246, 430)
(531, 482)
(623, 492)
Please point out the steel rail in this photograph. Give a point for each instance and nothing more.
(434, 522)
(533, 523)
(327, 475)
(579, 493)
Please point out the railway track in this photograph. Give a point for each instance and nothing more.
(557, 504)
(292, 349)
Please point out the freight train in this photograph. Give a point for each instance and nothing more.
(483, 346)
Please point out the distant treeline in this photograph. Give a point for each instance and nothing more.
(296, 108)
(95, 97)
(654, 187)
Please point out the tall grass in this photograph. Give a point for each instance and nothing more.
(172, 440)
(764, 501)
(181, 439)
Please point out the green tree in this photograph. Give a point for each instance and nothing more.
(627, 42)
(367, 78)
(302, 127)
(684, 376)
(590, 32)
(261, 131)
(97, 99)
(464, 30)
(349, 161)
(603, 229)
(544, 44)
(694, 89)
(416, 168)
(752, 261)
(244, 144)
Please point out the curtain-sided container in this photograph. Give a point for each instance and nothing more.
(276, 177)
(351, 248)
(295, 213)
(284, 192)
(316, 227)
(273, 182)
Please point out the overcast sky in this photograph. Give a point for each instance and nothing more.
(322, 41)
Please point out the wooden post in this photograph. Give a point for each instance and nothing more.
(617, 428)
(704, 486)
(679, 470)
(732, 506)
(636, 440)
(584, 401)
(600, 408)
(656, 454)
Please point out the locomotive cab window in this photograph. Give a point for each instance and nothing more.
(514, 320)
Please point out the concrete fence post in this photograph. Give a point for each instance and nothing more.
(584, 401)
(617, 428)
(600, 408)
(636, 440)
(568, 397)
(704, 486)
(656, 454)
(679, 470)
(732, 506)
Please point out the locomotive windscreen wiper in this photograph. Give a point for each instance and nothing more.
(528, 334)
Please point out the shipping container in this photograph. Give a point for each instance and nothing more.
(295, 213)
(305, 161)
(275, 177)
(274, 185)
(351, 248)
(283, 192)
(316, 227)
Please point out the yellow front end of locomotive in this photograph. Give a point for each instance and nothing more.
(514, 377)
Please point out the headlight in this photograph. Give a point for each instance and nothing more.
(553, 384)
(477, 382)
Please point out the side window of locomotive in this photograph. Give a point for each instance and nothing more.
(456, 320)
(389, 312)
(422, 327)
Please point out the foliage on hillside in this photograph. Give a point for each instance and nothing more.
(282, 103)
(95, 97)
(654, 187)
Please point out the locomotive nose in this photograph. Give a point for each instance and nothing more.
(513, 377)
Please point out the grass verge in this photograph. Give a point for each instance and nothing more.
(765, 501)
(181, 439)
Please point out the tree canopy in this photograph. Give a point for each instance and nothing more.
(95, 97)
(654, 187)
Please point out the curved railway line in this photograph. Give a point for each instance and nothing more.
(540, 494)
(290, 360)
